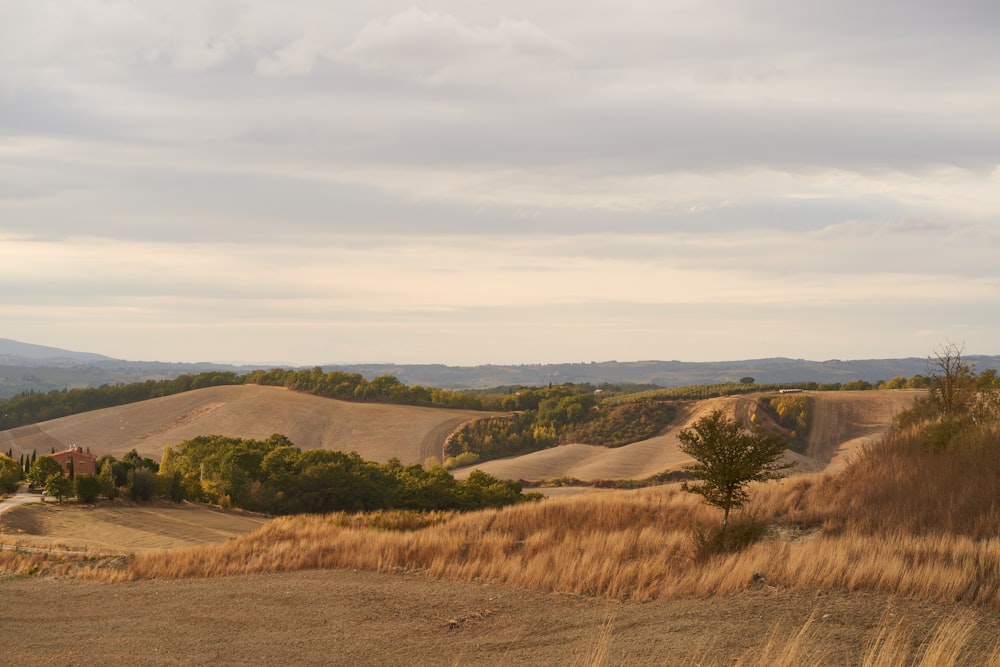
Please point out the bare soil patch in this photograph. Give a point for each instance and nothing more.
(348, 618)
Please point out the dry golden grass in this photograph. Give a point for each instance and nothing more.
(626, 545)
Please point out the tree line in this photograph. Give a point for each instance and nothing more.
(34, 407)
(272, 476)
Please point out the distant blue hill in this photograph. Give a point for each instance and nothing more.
(27, 367)
(15, 351)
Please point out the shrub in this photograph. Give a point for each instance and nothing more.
(740, 534)
(86, 488)
(141, 485)
(463, 459)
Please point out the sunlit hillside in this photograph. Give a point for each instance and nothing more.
(841, 422)
(376, 431)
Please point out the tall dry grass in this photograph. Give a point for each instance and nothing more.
(632, 545)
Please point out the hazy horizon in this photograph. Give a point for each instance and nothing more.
(307, 182)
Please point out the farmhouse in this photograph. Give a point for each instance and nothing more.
(83, 462)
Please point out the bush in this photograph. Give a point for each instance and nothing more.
(463, 459)
(10, 473)
(58, 486)
(86, 488)
(141, 485)
(740, 534)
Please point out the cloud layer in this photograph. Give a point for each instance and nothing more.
(309, 183)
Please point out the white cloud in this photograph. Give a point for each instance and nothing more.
(441, 49)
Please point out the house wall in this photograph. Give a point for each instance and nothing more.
(84, 463)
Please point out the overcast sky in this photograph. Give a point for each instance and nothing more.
(309, 182)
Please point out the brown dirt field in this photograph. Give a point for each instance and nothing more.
(376, 431)
(349, 618)
(842, 421)
(121, 529)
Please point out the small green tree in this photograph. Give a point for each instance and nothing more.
(141, 484)
(87, 488)
(107, 481)
(10, 473)
(58, 486)
(42, 468)
(729, 458)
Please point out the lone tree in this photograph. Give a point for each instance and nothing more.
(953, 387)
(729, 457)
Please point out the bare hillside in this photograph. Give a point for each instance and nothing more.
(845, 420)
(841, 422)
(376, 431)
(117, 528)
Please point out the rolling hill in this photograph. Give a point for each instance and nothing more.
(841, 421)
(375, 431)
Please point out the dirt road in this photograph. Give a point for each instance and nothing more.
(22, 497)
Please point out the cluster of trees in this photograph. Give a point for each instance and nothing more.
(557, 415)
(960, 405)
(271, 475)
(132, 476)
(792, 412)
(275, 476)
(354, 387)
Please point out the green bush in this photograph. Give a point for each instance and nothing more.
(10, 473)
(86, 488)
(463, 459)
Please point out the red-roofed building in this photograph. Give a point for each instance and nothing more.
(84, 463)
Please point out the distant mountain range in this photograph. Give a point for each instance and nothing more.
(27, 367)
